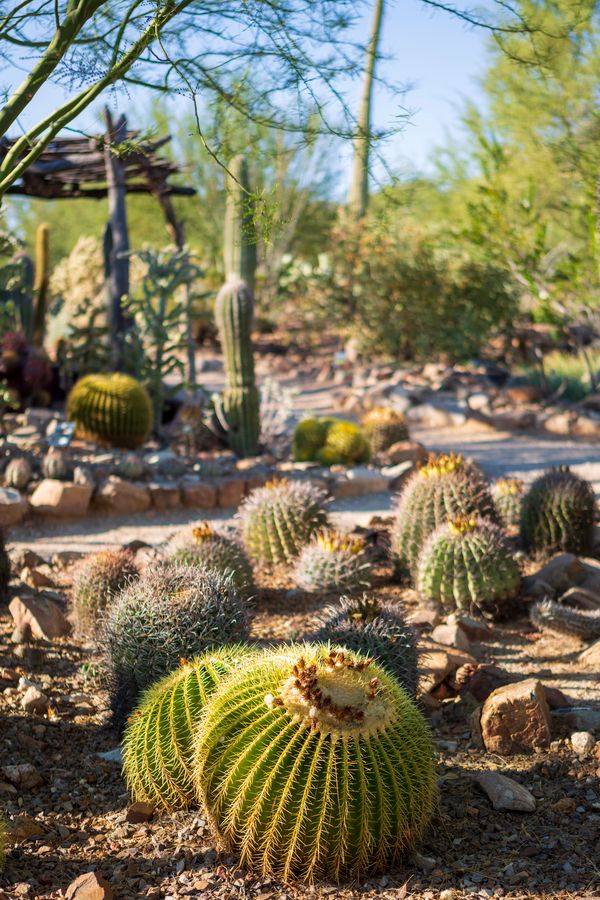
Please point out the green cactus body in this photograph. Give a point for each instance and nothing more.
(18, 473)
(131, 467)
(333, 562)
(212, 550)
(309, 438)
(4, 569)
(558, 514)
(315, 763)
(56, 465)
(377, 629)
(508, 499)
(171, 611)
(278, 519)
(347, 441)
(41, 283)
(383, 427)
(547, 615)
(467, 565)
(97, 581)
(330, 442)
(239, 240)
(158, 746)
(446, 486)
(240, 402)
(111, 408)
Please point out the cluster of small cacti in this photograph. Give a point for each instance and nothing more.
(446, 486)
(170, 612)
(4, 569)
(508, 496)
(18, 473)
(333, 561)
(547, 615)
(55, 464)
(277, 520)
(213, 550)
(330, 442)
(159, 737)
(112, 408)
(97, 581)
(467, 565)
(384, 426)
(376, 628)
(131, 467)
(558, 514)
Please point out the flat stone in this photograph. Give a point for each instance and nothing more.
(398, 474)
(505, 793)
(120, 496)
(39, 616)
(559, 574)
(60, 498)
(199, 494)
(515, 420)
(165, 494)
(558, 423)
(437, 662)
(406, 451)
(433, 416)
(515, 718)
(586, 427)
(13, 506)
(230, 492)
(425, 615)
(140, 812)
(90, 886)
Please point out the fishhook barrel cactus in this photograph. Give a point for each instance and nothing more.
(314, 762)
(207, 548)
(383, 426)
(333, 562)
(508, 496)
(558, 514)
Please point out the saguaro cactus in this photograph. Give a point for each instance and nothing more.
(240, 402)
(40, 285)
(239, 244)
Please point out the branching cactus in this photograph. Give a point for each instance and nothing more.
(111, 408)
(558, 514)
(467, 565)
(448, 485)
(280, 518)
(333, 561)
(508, 496)
(158, 747)
(206, 547)
(240, 404)
(376, 628)
(313, 763)
(383, 426)
(4, 569)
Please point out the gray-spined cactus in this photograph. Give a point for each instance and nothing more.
(547, 615)
(97, 581)
(558, 514)
(376, 628)
(508, 496)
(213, 550)
(333, 562)
(171, 612)
(277, 520)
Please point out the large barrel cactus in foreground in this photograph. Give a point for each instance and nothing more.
(447, 486)
(234, 311)
(333, 562)
(111, 408)
(280, 518)
(314, 762)
(467, 565)
(207, 547)
(558, 514)
(158, 746)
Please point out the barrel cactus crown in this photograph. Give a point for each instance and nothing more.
(376, 628)
(112, 408)
(171, 611)
(97, 581)
(314, 762)
(558, 514)
(447, 485)
(508, 496)
(333, 561)
(467, 565)
(18, 473)
(4, 569)
(384, 426)
(208, 548)
(278, 519)
(158, 746)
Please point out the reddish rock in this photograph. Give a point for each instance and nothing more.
(140, 812)
(230, 492)
(60, 498)
(40, 616)
(165, 495)
(437, 662)
(516, 719)
(481, 680)
(90, 886)
(23, 776)
(199, 494)
(406, 451)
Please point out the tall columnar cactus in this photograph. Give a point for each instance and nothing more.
(383, 426)
(280, 518)
(206, 547)
(4, 569)
(376, 628)
(111, 408)
(172, 611)
(97, 582)
(508, 496)
(446, 486)
(41, 283)
(333, 561)
(158, 746)
(239, 240)
(313, 763)
(18, 473)
(240, 404)
(467, 565)
(558, 514)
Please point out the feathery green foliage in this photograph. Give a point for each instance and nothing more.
(208, 548)
(158, 746)
(558, 514)
(171, 612)
(376, 628)
(508, 499)
(277, 520)
(313, 762)
(18, 473)
(97, 581)
(383, 426)
(4, 569)
(333, 561)
(467, 565)
(447, 486)
(111, 408)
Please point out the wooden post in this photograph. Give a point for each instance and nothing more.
(117, 263)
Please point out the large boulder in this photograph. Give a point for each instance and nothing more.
(39, 616)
